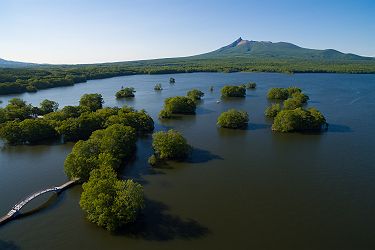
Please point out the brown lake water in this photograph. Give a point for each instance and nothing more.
(240, 189)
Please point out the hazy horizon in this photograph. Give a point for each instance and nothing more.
(80, 32)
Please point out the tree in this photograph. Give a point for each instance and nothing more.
(158, 87)
(298, 120)
(170, 145)
(109, 202)
(278, 94)
(195, 94)
(17, 109)
(36, 130)
(125, 93)
(139, 120)
(11, 132)
(233, 119)
(117, 140)
(74, 129)
(178, 105)
(272, 110)
(92, 101)
(233, 91)
(250, 85)
(27, 131)
(48, 106)
(82, 160)
(116, 143)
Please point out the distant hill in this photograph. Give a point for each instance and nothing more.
(279, 50)
(241, 55)
(240, 48)
(13, 64)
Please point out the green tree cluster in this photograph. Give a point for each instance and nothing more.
(125, 93)
(273, 110)
(233, 91)
(48, 106)
(112, 146)
(233, 119)
(109, 202)
(195, 94)
(169, 145)
(282, 93)
(92, 101)
(28, 131)
(298, 119)
(177, 105)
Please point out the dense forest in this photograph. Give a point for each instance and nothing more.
(31, 79)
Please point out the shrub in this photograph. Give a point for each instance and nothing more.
(233, 119)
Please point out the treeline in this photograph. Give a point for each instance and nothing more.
(19, 80)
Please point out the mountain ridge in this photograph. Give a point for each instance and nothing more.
(239, 48)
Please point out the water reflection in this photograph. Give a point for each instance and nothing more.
(156, 224)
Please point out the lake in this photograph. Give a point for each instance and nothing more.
(240, 189)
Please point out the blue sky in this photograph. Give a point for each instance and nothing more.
(88, 31)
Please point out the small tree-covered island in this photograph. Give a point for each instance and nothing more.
(291, 115)
(233, 119)
(125, 92)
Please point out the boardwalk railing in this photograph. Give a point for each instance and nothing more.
(16, 208)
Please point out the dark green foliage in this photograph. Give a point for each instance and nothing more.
(154, 161)
(283, 93)
(298, 120)
(17, 109)
(195, 94)
(293, 90)
(91, 101)
(158, 87)
(272, 110)
(114, 144)
(48, 106)
(125, 92)
(139, 120)
(74, 129)
(177, 105)
(11, 132)
(233, 119)
(165, 114)
(278, 94)
(250, 85)
(27, 131)
(109, 202)
(297, 100)
(170, 145)
(233, 91)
